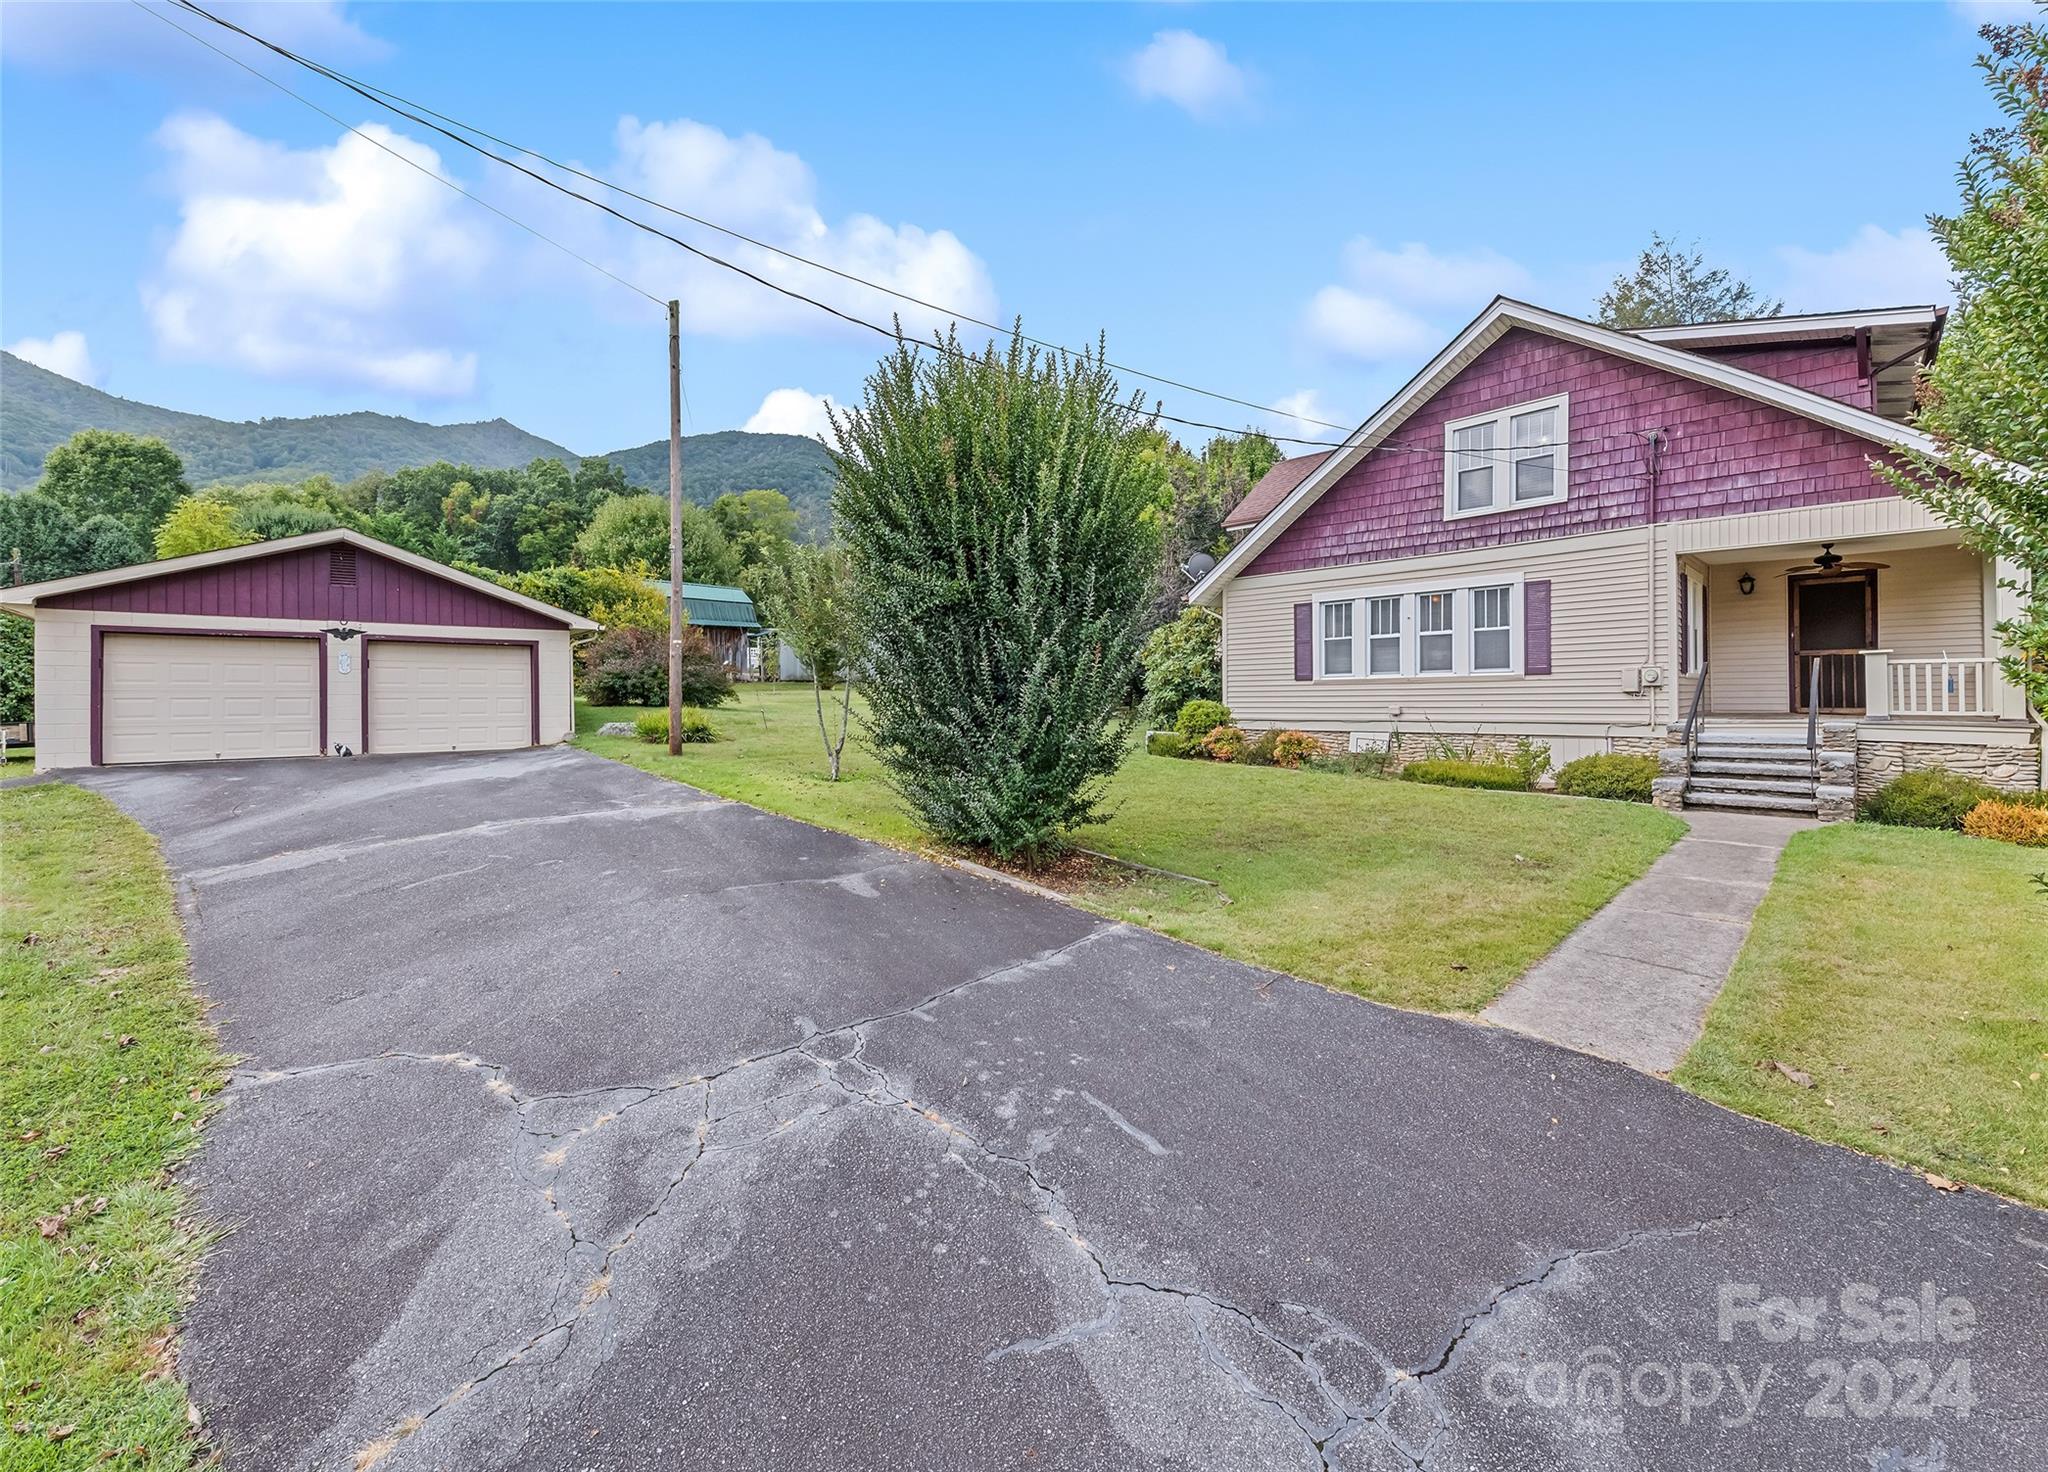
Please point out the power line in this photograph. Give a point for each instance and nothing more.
(371, 95)
(409, 163)
(370, 91)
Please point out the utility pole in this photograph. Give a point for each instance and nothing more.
(675, 529)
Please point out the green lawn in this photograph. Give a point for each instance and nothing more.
(19, 760)
(106, 1065)
(1906, 972)
(1421, 896)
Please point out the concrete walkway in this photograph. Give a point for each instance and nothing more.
(1635, 981)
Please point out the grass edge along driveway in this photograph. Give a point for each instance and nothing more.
(1423, 897)
(1904, 972)
(106, 1066)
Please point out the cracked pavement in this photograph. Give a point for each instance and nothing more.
(587, 1121)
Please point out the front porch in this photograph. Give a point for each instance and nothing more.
(1852, 661)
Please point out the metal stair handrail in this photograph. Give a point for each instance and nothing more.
(1813, 721)
(1692, 720)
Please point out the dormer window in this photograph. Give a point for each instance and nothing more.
(1507, 459)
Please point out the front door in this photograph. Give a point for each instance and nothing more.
(1834, 619)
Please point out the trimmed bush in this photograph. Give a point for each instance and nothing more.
(1934, 798)
(1615, 775)
(1199, 717)
(653, 726)
(629, 666)
(1451, 772)
(1167, 743)
(1225, 744)
(2023, 823)
(1292, 748)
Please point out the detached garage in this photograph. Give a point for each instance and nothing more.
(297, 647)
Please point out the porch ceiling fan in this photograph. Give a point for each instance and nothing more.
(1830, 560)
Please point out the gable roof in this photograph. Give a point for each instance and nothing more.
(1500, 317)
(714, 605)
(1271, 489)
(28, 594)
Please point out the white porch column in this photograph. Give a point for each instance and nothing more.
(1877, 684)
(2002, 602)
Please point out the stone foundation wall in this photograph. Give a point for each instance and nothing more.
(2015, 768)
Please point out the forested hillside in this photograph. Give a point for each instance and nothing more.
(40, 410)
(734, 460)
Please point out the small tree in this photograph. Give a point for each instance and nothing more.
(1671, 284)
(993, 509)
(1982, 401)
(200, 524)
(806, 600)
(1183, 661)
(629, 666)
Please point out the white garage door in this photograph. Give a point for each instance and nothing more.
(174, 698)
(449, 697)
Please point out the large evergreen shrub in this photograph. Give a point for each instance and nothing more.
(992, 507)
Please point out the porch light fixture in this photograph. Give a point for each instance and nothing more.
(1747, 584)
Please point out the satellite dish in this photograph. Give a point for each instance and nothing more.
(1198, 567)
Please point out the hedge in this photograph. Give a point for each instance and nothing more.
(1616, 775)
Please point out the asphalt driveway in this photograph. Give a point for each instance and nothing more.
(591, 1122)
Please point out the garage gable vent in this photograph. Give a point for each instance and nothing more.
(341, 567)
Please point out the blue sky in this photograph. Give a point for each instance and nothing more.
(1293, 204)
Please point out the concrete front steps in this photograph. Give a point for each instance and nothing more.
(1754, 772)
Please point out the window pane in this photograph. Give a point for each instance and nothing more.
(1385, 614)
(1384, 656)
(1433, 652)
(1433, 612)
(1336, 656)
(1473, 437)
(1537, 428)
(1535, 478)
(1490, 649)
(1475, 487)
(1490, 608)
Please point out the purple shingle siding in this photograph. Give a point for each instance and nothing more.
(1536, 626)
(298, 584)
(1726, 454)
(1824, 368)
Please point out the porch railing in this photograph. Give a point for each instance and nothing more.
(1830, 680)
(1933, 687)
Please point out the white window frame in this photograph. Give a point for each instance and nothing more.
(1512, 627)
(1399, 634)
(1695, 622)
(1462, 592)
(1504, 457)
(1324, 638)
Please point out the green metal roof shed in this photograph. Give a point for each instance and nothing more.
(714, 606)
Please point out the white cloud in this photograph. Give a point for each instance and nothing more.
(1190, 71)
(1391, 302)
(337, 265)
(60, 352)
(66, 36)
(1304, 415)
(748, 184)
(1995, 12)
(1875, 268)
(793, 411)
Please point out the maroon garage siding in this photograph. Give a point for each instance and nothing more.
(326, 582)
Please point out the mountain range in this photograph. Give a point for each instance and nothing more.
(39, 410)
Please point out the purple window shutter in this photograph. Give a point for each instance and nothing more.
(1304, 641)
(1536, 626)
(1684, 621)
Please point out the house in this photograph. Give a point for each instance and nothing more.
(1669, 541)
(724, 615)
(296, 647)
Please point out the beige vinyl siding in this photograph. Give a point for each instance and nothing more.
(1930, 601)
(1600, 602)
(64, 675)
